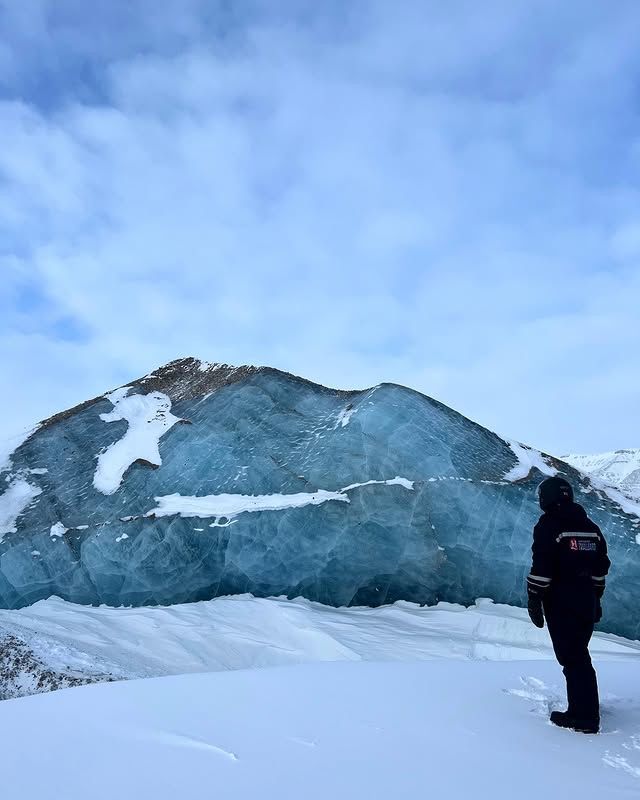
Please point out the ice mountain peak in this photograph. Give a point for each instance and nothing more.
(200, 480)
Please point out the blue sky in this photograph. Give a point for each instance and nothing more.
(442, 195)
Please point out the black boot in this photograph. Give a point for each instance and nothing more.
(565, 720)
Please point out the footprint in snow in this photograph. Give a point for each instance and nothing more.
(545, 699)
(628, 759)
(620, 762)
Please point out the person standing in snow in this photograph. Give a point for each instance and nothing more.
(565, 587)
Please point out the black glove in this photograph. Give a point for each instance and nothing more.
(535, 610)
(598, 616)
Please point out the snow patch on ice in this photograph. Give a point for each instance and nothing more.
(344, 417)
(232, 505)
(149, 417)
(58, 530)
(397, 481)
(13, 502)
(528, 458)
(10, 445)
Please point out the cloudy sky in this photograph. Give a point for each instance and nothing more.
(444, 195)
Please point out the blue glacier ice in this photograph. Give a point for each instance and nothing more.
(204, 480)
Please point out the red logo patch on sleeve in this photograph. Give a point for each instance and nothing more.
(574, 544)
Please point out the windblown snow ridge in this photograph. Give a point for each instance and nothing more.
(62, 644)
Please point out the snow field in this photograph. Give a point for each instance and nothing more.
(442, 702)
(443, 729)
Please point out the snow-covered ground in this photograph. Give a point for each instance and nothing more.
(434, 702)
(442, 729)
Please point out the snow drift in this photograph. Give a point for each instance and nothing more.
(53, 644)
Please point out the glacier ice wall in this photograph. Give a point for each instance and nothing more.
(266, 483)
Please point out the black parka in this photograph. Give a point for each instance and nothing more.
(569, 555)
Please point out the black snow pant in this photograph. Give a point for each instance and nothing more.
(570, 618)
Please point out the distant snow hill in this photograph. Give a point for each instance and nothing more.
(620, 469)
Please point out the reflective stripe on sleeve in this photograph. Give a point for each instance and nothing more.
(538, 584)
(538, 578)
(578, 535)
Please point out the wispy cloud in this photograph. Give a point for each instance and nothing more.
(419, 193)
